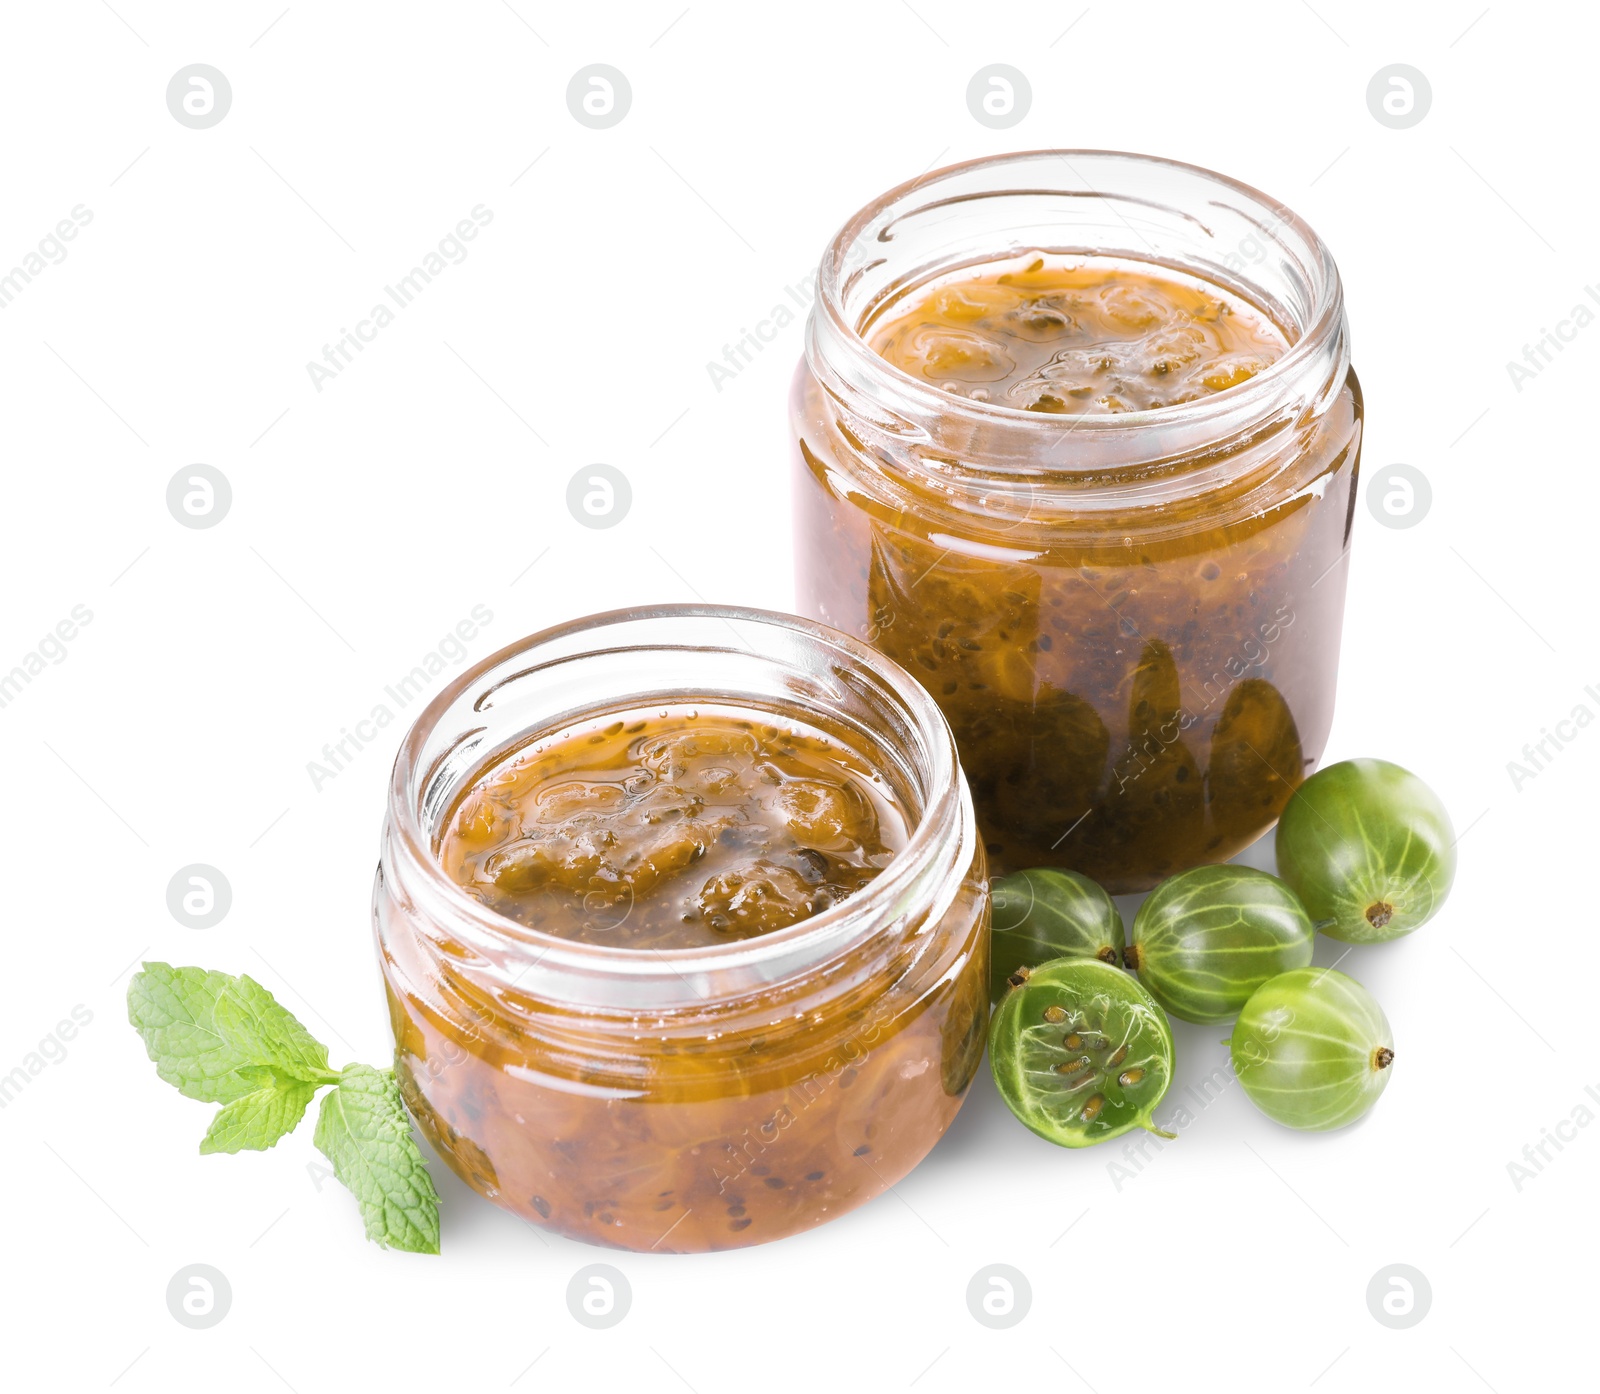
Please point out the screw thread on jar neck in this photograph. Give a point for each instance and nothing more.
(993, 458)
(671, 655)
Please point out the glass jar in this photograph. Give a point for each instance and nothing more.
(1131, 621)
(689, 1099)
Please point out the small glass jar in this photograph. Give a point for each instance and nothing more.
(689, 1099)
(1132, 621)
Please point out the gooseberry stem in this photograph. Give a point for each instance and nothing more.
(1150, 1127)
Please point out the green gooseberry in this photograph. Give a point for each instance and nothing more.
(1207, 938)
(1369, 849)
(1312, 1049)
(1049, 913)
(1080, 1052)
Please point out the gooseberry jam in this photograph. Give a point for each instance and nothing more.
(1076, 443)
(685, 937)
(1088, 336)
(665, 830)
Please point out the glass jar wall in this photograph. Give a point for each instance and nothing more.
(1130, 613)
(688, 1098)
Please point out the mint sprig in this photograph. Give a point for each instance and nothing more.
(217, 1038)
(364, 1130)
(227, 1040)
(254, 1122)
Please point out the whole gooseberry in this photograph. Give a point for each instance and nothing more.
(1049, 913)
(1368, 848)
(1207, 938)
(1312, 1049)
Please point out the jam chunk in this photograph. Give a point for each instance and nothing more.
(673, 830)
(1087, 337)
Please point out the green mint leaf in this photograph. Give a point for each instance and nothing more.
(256, 1121)
(364, 1131)
(226, 1040)
(252, 1019)
(216, 1037)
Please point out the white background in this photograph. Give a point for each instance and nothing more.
(430, 476)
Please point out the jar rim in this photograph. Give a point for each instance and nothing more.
(832, 322)
(771, 957)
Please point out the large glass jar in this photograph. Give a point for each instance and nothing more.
(1131, 621)
(687, 1099)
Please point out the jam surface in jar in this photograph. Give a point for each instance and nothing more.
(673, 830)
(721, 1121)
(1136, 686)
(1067, 337)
